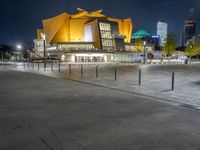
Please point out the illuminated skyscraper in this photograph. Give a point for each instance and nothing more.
(162, 32)
(188, 31)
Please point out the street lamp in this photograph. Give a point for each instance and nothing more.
(144, 52)
(19, 47)
(44, 46)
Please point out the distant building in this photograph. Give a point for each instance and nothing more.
(145, 36)
(162, 29)
(188, 31)
(85, 37)
(194, 40)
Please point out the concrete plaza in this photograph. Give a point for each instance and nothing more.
(45, 113)
(156, 80)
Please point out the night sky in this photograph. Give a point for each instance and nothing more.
(21, 18)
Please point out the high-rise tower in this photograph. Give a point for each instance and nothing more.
(162, 32)
(188, 31)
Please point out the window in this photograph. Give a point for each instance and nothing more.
(107, 43)
(78, 46)
(105, 26)
(106, 35)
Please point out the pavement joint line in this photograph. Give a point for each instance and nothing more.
(167, 101)
(190, 106)
(35, 133)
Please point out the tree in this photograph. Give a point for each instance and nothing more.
(139, 46)
(7, 55)
(170, 45)
(7, 48)
(191, 50)
(197, 50)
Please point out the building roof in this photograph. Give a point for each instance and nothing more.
(67, 27)
(189, 21)
(85, 14)
(140, 34)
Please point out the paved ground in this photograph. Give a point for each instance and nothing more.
(156, 79)
(43, 113)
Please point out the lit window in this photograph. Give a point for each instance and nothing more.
(105, 26)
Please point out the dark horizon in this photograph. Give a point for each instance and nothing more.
(20, 20)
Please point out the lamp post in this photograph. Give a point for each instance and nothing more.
(44, 46)
(28, 57)
(44, 53)
(144, 60)
(19, 47)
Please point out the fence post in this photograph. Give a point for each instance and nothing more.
(172, 81)
(115, 73)
(140, 76)
(97, 71)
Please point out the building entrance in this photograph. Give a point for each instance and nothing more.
(89, 59)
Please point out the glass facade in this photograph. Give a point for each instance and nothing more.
(106, 35)
(76, 46)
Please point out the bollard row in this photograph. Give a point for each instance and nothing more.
(97, 72)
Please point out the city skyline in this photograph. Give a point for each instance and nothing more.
(21, 19)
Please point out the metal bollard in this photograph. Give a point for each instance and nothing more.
(81, 70)
(115, 73)
(44, 66)
(38, 65)
(32, 65)
(28, 64)
(140, 76)
(172, 81)
(59, 66)
(24, 65)
(51, 65)
(70, 69)
(97, 71)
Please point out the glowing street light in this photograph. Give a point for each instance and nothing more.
(19, 47)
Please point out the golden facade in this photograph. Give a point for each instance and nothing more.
(66, 28)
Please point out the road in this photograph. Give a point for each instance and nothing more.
(44, 113)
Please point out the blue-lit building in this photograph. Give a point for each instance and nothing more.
(153, 40)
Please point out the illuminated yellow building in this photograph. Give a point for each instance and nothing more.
(84, 31)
